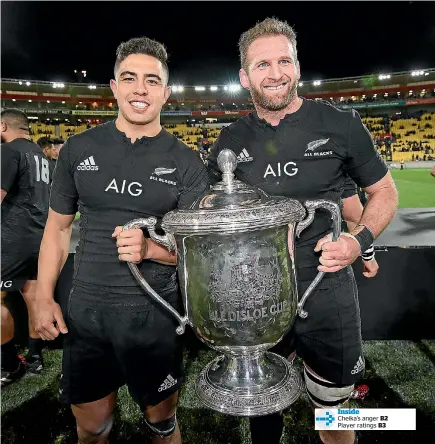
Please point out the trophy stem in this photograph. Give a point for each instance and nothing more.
(249, 385)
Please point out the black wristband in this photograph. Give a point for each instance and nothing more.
(365, 239)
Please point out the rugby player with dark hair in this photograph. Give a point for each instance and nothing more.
(25, 179)
(115, 334)
(50, 152)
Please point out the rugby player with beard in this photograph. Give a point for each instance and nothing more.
(306, 149)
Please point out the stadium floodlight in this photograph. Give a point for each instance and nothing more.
(301, 84)
(177, 88)
(14, 100)
(317, 82)
(20, 82)
(58, 85)
(384, 76)
(417, 73)
(28, 83)
(213, 88)
(234, 87)
(199, 88)
(92, 87)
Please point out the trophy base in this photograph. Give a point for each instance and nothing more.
(249, 385)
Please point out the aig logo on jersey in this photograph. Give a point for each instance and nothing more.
(288, 169)
(314, 151)
(88, 165)
(121, 187)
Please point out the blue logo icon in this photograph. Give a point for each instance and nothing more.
(325, 418)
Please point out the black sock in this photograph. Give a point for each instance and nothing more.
(35, 347)
(10, 360)
(266, 429)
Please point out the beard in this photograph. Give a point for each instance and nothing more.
(276, 103)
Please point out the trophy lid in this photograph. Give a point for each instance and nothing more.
(232, 206)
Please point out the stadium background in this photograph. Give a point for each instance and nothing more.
(399, 111)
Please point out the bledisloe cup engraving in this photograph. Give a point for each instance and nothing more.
(246, 288)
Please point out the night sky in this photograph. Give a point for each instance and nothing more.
(48, 40)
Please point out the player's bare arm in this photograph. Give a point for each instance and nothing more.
(52, 257)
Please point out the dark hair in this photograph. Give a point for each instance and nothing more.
(16, 119)
(44, 142)
(269, 26)
(58, 141)
(142, 45)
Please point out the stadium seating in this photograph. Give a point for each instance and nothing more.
(38, 130)
(408, 137)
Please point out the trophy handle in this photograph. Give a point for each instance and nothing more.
(168, 241)
(311, 206)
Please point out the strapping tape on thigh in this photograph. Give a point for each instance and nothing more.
(323, 393)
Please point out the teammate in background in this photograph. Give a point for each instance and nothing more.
(57, 146)
(402, 164)
(115, 333)
(51, 153)
(25, 180)
(306, 149)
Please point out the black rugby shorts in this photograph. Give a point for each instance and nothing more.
(329, 339)
(111, 343)
(17, 268)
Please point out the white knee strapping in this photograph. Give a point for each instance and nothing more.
(323, 393)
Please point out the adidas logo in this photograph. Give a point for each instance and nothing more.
(167, 383)
(88, 165)
(359, 366)
(244, 156)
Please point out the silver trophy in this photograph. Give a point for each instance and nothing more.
(235, 250)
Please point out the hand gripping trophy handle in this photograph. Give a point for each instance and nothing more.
(167, 241)
(311, 206)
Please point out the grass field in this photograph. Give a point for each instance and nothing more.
(399, 374)
(416, 188)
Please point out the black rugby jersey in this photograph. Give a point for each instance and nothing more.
(52, 165)
(111, 181)
(310, 155)
(25, 175)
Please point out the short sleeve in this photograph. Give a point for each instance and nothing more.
(195, 182)
(10, 166)
(64, 195)
(363, 163)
